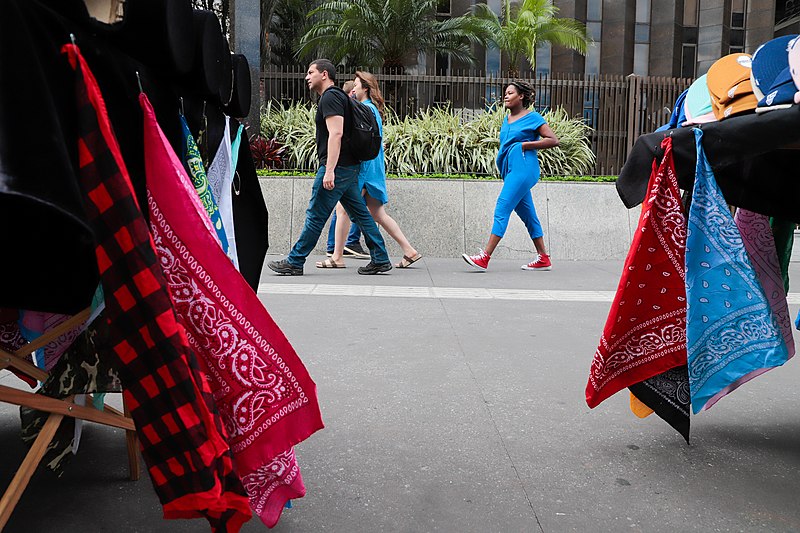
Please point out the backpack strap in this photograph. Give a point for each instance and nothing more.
(348, 113)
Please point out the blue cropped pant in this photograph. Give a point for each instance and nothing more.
(522, 174)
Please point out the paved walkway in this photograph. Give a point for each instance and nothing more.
(453, 402)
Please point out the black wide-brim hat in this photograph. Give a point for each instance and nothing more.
(159, 33)
(239, 106)
(211, 75)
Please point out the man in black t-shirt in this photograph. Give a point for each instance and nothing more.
(336, 179)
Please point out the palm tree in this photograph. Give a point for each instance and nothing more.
(287, 25)
(387, 33)
(523, 26)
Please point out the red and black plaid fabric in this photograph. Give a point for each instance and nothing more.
(181, 434)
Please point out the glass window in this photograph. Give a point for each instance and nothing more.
(593, 59)
(594, 29)
(442, 64)
(642, 33)
(736, 50)
(737, 38)
(594, 9)
(641, 58)
(543, 54)
(690, 12)
(443, 7)
(643, 11)
(492, 61)
(737, 20)
(688, 60)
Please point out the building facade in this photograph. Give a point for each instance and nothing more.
(673, 38)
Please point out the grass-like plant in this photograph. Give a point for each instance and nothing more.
(436, 141)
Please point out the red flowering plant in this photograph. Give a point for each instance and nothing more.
(267, 153)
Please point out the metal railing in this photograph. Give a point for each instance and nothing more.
(618, 108)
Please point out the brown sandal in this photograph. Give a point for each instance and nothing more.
(408, 261)
(329, 263)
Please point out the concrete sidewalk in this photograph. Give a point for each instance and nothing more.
(454, 401)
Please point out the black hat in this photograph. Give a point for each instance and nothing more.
(239, 105)
(211, 75)
(159, 33)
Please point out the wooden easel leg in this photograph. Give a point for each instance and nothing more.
(26, 469)
(132, 442)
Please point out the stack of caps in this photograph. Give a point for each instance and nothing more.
(729, 86)
(771, 75)
(697, 106)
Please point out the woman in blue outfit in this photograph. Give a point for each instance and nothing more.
(372, 181)
(523, 133)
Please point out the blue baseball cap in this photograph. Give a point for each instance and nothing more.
(780, 94)
(769, 60)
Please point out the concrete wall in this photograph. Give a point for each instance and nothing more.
(445, 218)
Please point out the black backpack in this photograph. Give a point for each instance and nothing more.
(361, 131)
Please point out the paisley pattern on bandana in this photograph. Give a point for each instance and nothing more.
(731, 329)
(263, 392)
(645, 333)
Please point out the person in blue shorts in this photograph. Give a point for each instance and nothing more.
(522, 134)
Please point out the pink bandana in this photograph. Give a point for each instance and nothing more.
(261, 388)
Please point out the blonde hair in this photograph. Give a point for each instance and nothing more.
(348, 86)
(370, 84)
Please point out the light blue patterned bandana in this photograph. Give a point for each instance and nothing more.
(731, 330)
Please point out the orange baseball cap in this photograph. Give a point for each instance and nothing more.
(729, 86)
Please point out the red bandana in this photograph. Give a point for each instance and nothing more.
(645, 332)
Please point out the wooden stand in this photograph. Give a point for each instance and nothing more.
(58, 409)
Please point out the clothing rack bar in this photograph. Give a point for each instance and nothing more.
(63, 407)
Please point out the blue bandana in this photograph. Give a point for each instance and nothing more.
(731, 330)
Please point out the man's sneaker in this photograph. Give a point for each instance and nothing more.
(540, 262)
(480, 261)
(374, 268)
(285, 267)
(329, 253)
(356, 250)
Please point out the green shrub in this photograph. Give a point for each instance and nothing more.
(436, 140)
(309, 173)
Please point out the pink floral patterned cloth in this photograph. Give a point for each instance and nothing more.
(261, 388)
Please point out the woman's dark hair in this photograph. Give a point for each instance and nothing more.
(524, 89)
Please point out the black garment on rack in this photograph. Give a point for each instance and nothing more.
(745, 153)
(49, 249)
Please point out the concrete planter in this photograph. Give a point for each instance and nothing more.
(445, 218)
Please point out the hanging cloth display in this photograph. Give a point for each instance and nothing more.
(235, 146)
(731, 330)
(181, 434)
(644, 334)
(261, 387)
(759, 242)
(194, 164)
(220, 177)
(668, 395)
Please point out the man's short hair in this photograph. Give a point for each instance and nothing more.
(325, 65)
